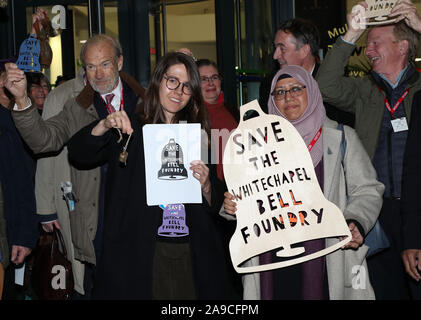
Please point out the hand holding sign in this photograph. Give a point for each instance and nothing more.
(378, 10)
(230, 207)
(356, 21)
(405, 10)
(15, 82)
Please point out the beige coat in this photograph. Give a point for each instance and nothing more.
(347, 269)
(51, 171)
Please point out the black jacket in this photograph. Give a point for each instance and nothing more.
(411, 180)
(130, 226)
(17, 186)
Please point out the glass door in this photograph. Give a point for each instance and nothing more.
(254, 39)
(176, 24)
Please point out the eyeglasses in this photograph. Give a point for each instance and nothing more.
(294, 92)
(213, 78)
(103, 66)
(173, 83)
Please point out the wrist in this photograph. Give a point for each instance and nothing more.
(352, 36)
(99, 129)
(22, 102)
(207, 188)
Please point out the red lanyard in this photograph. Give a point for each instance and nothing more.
(316, 137)
(386, 103)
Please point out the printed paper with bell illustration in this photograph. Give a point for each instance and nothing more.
(280, 204)
(169, 149)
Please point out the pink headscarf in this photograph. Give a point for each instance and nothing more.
(313, 117)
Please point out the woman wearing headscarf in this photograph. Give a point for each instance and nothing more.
(348, 180)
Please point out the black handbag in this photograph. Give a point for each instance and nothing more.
(51, 275)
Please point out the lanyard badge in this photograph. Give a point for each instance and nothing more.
(399, 124)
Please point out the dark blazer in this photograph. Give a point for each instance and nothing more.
(411, 180)
(17, 186)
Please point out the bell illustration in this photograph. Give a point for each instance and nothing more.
(280, 205)
(173, 221)
(378, 10)
(29, 52)
(172, 162)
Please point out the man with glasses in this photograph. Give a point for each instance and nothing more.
(107, 90)
(297, 42)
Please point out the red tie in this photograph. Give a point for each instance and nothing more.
(108, 98)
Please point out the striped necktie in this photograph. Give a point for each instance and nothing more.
(108, 98)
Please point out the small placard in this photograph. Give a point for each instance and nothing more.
(378, 11)
(173, 221)
(29, 52)
(169, 149)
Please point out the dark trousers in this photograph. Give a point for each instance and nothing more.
(386, 270)
(415, 288)
(172, 272)
(88, 283)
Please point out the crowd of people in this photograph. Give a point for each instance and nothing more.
(365, 160)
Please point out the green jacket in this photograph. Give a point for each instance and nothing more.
(358, 95)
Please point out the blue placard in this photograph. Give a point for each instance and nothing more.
(29, 52)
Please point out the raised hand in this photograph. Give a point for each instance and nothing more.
(15, 82)
(406, 11)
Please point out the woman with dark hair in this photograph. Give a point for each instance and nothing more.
(136, 262)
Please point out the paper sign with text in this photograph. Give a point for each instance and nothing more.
(169, 149)
(280, 204)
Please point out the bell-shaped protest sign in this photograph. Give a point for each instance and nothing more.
(173, 221)
(29, 52)
(268, 168)
(172, 162)
(378, 10)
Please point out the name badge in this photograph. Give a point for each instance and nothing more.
(399, 124)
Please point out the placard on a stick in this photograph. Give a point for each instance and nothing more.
(269, 170)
